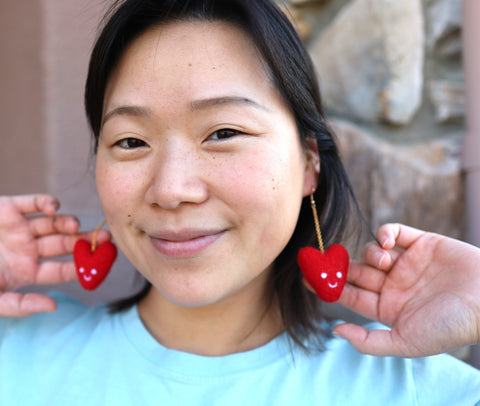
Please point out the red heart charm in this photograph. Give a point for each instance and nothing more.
(93, 267)
(326, 272)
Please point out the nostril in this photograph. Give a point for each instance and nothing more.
(170, 197)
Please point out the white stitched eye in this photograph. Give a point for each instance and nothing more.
(339, 275)
(323, 275)
(81, 270)
(94, 271)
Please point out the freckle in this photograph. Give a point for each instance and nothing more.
(129, 215)
(189, 64)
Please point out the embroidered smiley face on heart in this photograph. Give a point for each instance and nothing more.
(87, 274)
(332, 279)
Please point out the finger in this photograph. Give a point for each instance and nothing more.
(55, 272)
(102, 235)
(361, 301)
(398, 234)
(59, 245)
(366, 277)
(23, 305)
(378, 257)
(42, 226)
(56, 245)
(375, 342)
(30, 204)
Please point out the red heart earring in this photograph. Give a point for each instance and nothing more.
(326, 271)
(93, 263)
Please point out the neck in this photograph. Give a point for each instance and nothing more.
(236, 324)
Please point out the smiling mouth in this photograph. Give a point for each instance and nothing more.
(178, 246)
(333, 285)
(87, 278)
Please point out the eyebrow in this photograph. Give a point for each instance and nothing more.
(215, 101)
(136, 111)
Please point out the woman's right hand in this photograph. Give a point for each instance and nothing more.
(31, 236)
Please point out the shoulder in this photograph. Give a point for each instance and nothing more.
(372, 380)
(62, 355)
(24, 335)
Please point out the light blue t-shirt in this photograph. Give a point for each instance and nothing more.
(81, 356)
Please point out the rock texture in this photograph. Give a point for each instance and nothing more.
(444, 27)
(370, 60)
(448, 98)
(307, 2)
(297, 18)
(418, 184)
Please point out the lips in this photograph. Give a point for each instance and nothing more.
(184, 243)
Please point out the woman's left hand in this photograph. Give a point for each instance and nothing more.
(424, 286)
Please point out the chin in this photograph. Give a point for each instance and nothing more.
(190, 298)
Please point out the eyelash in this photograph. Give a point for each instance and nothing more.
(219, 135)
(126, 143)
(230, 133)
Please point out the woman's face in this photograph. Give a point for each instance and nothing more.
(200, 170)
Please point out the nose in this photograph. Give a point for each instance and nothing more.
(176, 178)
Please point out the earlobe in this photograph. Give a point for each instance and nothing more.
(312, 167)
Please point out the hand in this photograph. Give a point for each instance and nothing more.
(31, 235)
(427, 290)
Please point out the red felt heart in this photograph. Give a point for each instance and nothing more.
(93, 267)
(326, 272)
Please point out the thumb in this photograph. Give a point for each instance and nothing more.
(374, 342)
(13, 304)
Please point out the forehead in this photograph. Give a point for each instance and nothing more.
(190, 53)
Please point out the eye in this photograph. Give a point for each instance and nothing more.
(223, 134)
(131, 143)
(94, 271)
(323, 275)
(339, 275)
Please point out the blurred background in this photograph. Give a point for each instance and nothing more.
(398, 79)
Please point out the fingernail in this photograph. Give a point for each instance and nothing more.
(383, 240)
(55, 204)
(379, 258)
(74, 223)
(337, 335)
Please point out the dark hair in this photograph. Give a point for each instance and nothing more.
(292, 71)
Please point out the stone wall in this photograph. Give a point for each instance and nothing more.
(392, 82)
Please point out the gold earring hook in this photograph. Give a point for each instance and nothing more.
(93, 246)
(317, 223)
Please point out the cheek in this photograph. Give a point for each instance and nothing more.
(268, 186)
(117, 189)
(267, 172)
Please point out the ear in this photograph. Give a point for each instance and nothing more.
(312, 167)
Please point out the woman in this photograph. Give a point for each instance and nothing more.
(209, 139)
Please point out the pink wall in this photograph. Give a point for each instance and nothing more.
(44, 47)
(45, 141)
(22, 97)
